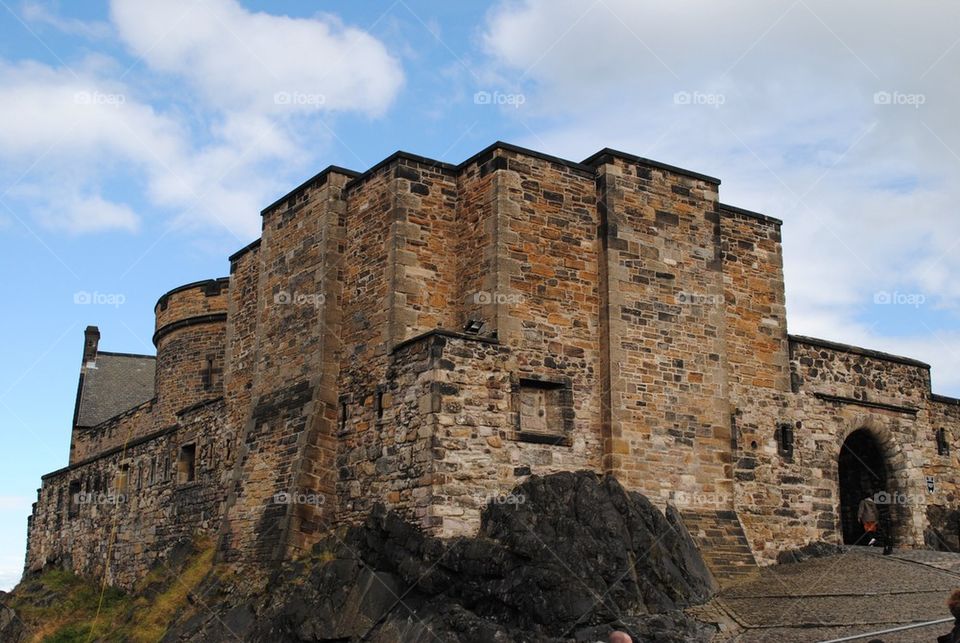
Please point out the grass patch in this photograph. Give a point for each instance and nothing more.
(60, 607)
(154, 616)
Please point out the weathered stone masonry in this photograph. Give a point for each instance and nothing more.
(427, 335)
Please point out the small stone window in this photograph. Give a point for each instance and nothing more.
(943, 442)
(784, 437)
(544, 411)
(187, 464)
(378, 403)
(73, 496)
(343, 415)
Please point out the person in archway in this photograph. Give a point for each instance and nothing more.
(869, 516)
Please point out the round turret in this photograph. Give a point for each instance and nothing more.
(190, 338)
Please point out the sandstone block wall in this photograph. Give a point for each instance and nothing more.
(668, 425)
(190, 338)
(117, 514)
(291, 342)
(116, 431)
(789, 500)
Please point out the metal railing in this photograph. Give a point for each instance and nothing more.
(888, 631)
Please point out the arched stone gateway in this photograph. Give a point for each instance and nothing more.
(862, 471)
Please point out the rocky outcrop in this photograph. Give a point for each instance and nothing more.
(571, 557)
(816, 549)
(11, 627)
(943, 529)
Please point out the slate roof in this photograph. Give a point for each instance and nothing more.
(119, 382)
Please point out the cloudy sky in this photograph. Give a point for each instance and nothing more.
(139, 141)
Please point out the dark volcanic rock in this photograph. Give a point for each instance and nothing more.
(943, 529)
(11, 627)
(573, 557)
(817, 549)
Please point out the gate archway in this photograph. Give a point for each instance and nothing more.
(862, 472)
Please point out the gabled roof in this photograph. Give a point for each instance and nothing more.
(115, 383)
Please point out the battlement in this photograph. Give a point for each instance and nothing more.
(191, 304)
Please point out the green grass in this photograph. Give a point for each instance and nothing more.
(60, 607)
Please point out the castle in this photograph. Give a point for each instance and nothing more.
(427, 335)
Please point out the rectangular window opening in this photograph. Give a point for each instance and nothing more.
(187, 463)
(378, 403)
(544, 412)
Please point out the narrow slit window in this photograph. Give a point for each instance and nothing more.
(343, 416)
(943, 443)
(378, 403)
(785, 441)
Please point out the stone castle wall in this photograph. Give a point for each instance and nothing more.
(786, 498)
(668, 423)
(623, 320)
(115, 432)
(133, 503)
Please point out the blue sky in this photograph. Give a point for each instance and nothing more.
(139, 140)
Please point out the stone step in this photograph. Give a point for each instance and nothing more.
(722, 543)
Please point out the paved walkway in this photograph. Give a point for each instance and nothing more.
(855, 592)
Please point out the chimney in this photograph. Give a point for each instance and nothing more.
(91, 339)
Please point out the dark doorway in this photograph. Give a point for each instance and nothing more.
(862, 473)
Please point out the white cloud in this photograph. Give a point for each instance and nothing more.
(778, 101)
(57, 113)
(38, 14)
(62, 131)
(211, 137)
(241, 60)
(80, 214)
(9, 577)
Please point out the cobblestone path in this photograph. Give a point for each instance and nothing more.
(855, 592)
